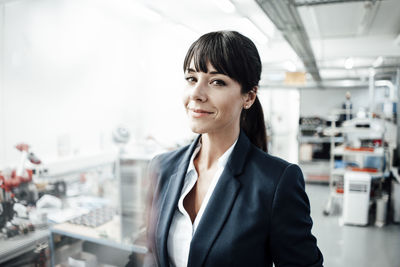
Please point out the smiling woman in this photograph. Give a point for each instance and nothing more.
(231, 61)
(214, 101)
(223, 201)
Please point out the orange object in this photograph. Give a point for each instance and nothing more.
(15, 181)
(364, 169)
(364, 149)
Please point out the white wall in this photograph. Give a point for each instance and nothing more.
(321, 102)
(281, 109)
(73, 70)
(2, 115)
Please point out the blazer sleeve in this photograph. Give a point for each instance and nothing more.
(291, 241)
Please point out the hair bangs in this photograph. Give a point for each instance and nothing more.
(209, 49)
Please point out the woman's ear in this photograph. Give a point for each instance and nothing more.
(250, 97)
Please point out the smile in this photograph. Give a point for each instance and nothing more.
(199, 113)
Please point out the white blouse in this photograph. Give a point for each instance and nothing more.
(182, 230)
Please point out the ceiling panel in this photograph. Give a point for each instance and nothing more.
(346, 19)
(334, 20)
(387, 19)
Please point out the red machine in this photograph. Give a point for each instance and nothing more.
(12, 182)
(21, 174)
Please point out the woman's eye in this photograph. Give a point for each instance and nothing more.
(190, 79)
(218, 82)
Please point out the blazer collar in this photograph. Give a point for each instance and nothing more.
(170, 202)
(219, 205)
(217, 210)
(238, 157)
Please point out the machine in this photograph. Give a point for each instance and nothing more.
(357, 187)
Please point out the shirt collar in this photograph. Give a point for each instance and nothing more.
(221, 161)
(191, 163)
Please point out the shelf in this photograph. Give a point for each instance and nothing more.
(309, 127)
(361, 130)
(137, 156)
(314, 161)
(329, 131)
(316, 139)
(108, 234)
(340, 150)
(18, 245)
(341, 172)
(75, 164)
(316, 178)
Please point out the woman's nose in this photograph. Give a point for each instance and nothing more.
(198, 92)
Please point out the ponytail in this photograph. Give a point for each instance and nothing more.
(253, 124)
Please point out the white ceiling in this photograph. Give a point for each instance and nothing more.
(352, 19)
(360, 30)
(357, 29)
(206, 15)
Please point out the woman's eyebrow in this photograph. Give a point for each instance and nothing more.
(190, 70)
(215, 72)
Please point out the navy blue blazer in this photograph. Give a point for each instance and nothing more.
(258, 214)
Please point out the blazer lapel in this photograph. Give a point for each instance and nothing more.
(170, 202)
(220, 204)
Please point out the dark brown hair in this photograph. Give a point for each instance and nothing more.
(236, 56)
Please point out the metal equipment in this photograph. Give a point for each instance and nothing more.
(15, 184)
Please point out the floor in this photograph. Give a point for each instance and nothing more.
(353, 246)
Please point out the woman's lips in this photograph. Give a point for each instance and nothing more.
(199, 113)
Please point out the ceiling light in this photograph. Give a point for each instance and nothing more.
(378, 61)
(349, 63)
(226, 6)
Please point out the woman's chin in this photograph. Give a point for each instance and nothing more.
(198, 129)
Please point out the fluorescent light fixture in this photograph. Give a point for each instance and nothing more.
(397, 40)
(252, 31)
(290, 66)
(378, 62)
(349, 63)
(226, 6)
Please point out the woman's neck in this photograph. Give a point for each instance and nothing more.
(214, 145)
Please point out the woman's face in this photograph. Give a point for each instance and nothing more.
(213, 101)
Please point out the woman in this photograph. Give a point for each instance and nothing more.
(223, 201)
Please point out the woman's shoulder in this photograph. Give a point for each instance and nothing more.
(268, 159)
(169, 159)
(164, 165)
(270, 165)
